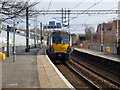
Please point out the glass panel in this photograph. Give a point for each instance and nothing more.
(56, 39)
(61, 39)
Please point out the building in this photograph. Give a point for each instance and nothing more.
(109, 33)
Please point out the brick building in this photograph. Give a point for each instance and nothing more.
(109, 34)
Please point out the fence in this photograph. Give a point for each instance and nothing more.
(113, 49)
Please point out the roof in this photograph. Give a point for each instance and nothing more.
(59, 32)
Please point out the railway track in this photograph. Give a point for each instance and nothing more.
(96, 78)
(82, 75)
(74, 77)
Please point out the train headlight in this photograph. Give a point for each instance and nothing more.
(51, 48)
(68, 49)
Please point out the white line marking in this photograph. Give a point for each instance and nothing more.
(59, 73)
(12, 84)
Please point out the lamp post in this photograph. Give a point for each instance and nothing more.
(8, 41)
(14, 42)
(0, 34)
(101, 39)
(27, 31)
(14, 25)
(35, 37)
(117, 34)
(102, 35)
(41, 33)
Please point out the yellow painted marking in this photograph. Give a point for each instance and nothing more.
(13, 41)
(42, 75)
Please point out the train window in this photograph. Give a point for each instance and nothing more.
(56, 39)
(65, 39)
(61, 39)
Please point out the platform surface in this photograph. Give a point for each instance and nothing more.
(32, 70)
(109, 56)
(49, 75)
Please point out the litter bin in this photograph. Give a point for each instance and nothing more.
(107, 49)
(2, 56)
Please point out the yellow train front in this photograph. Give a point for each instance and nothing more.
(59, 45)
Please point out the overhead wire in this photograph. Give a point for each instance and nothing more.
(87, 9)
(95, 4)
(49, 5)
(47, 10)
(78, 4)
(107, 18)
(95, 23)
(90, 8)
(104, 19)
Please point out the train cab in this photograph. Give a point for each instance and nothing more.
(59, 45)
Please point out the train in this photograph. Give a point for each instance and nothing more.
(59, 45)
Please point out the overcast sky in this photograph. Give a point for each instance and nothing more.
(75, 0)
(76, 25)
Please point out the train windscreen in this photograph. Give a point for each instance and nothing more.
(61, 38)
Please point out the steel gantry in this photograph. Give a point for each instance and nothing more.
(76, 11)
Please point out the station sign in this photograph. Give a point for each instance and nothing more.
(51, 23)
(58, 25)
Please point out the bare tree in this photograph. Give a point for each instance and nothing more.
(89, 30)
(14, 9)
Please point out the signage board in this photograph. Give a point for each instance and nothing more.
(52, 23)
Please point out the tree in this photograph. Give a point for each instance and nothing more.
(10, 9)
(89, 30)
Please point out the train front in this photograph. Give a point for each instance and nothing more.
(61, 45)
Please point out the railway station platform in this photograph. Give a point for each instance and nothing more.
(109, 56)
(49, 75)
(32, 70)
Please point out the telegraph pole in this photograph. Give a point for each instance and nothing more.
(102, 36)
(118, 48)
(14, 41)
(65, 15)
(69, 20)
(46, 28)
(118, 32)
(41, 33)
(35, 37)
(27, 31)
(8, 40)
(62, 17)
(103, 33)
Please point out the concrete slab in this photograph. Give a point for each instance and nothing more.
(22, 73)
(32, 70)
